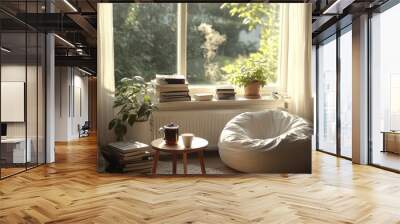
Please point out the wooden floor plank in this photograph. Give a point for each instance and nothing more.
(71, 191)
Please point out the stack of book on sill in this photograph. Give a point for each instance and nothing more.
(225, 93)
(130, 156)
(170, 88)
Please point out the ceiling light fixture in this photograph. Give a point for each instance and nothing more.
(65, 41)
(84, 71)
(5, 50)
(70, 5)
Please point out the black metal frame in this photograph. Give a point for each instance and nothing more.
(389, 4)
(339, 32)
(27, 30)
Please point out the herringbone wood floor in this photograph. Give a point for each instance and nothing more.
(71, 191)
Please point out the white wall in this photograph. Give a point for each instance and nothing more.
(71, 103)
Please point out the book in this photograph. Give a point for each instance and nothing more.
(158, 84)
(170, 79)
(162, 100)
(230, 97)
(174, 97)
(227, 87)
(134, 155)
(225, 92)
(172, 89)
(176, 93)
(130, 146)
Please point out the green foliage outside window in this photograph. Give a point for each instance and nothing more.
(246, 34)
(262, 65)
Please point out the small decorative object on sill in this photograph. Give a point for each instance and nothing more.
(225, 93)
(170, 88)
(203, 97)
(276, 95)
(128, 156)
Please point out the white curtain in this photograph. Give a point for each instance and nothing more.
(295, 58)
(105, 76)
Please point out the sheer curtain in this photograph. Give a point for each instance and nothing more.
(105, 76)
(295, 58)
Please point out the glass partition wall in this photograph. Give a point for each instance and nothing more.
(334, 93)
(22, 98)
(385, 89)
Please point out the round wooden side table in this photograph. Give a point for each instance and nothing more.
(198, 145)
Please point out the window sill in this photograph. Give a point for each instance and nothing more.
(238, 103)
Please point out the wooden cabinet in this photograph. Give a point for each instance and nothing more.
(391, 142)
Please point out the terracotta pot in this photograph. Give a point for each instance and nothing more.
(252, 90)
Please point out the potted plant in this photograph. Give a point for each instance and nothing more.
(250, 74)
(133, 104)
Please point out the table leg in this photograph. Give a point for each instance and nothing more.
(184, 155)
(174, 163)
(201, 159)
(155, 160)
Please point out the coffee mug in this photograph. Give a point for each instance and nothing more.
(187, 139)
(171, 133)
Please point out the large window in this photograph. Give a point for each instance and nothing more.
(217, 39)
(346, 93)
(327, 96)
(145, 38)
(385, 88)
(335, 94)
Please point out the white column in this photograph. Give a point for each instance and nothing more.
(182, 38)
(50, 99)
(105, 77)
(360, 90)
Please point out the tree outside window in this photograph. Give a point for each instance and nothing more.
(222, 39)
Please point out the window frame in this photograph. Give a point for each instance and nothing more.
(182, 20)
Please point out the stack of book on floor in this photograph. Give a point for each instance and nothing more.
(225, 93)
(131, 156)
(170, 88)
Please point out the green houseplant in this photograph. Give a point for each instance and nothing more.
(250, 74)
(133, 104)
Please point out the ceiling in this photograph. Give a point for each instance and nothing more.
(76, 22)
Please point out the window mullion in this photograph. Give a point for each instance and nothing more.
(182, 39)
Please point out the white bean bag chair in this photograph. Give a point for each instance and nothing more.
(271, 141)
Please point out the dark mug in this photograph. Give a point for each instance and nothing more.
(171, 133)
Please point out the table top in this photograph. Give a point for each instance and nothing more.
(197, 144)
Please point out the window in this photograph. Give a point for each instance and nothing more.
(385, 88)
(334, 107)
(216, 39)
(346, 94)
(145, 37)
(327, 96)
